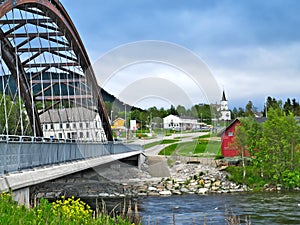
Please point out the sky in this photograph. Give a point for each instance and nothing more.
(251, 47)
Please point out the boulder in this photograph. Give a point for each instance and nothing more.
(202, 191)
(166, 192)
(152, 188)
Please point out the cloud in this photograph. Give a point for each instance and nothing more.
(251, 46)
(156, 81)
(156, 59)
(260, 72)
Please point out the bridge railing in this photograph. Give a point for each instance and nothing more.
(17, 156)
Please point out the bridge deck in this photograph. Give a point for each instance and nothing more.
(18, 156)
(26, 178)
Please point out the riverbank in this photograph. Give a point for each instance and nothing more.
(155, 178)
(194, 178)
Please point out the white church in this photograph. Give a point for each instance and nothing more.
(225, 112)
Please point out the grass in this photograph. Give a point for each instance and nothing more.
(187, 148)
(162, 142)
(192, 148)
(253, 178)
(169, 150)
(203, 136)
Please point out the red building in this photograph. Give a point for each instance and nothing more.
(228, 136)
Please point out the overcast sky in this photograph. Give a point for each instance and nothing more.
(251, 47)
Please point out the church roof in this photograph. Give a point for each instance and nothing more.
(224, 97)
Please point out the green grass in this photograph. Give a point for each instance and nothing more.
(169, 150)
(149, 145)
(187, 148)
(211, 146)
(199, 148)
(192, 148)
(162, 142)
(253, 178)
(204, 136)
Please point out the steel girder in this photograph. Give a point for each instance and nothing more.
(64, 26)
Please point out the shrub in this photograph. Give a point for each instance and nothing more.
(72, 210)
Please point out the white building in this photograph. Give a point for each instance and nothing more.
(73, 123)
(178, 123)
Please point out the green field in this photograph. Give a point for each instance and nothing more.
(162, 142)
(192, 148)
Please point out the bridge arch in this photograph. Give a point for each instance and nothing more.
(44, 62)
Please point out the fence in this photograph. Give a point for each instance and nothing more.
(16, 156)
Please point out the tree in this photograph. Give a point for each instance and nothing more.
(204, 112)
(287, 107)
(241, 112)
(296, 107)
(194, 112)
(234, 113)
(249, 109)
(12, 112)
(154, 112)
(246, 138)
(274, 148)
(144, 118)
(162, 112)
(279, 141)
(172, 110)
(272, 103)
(181, 110)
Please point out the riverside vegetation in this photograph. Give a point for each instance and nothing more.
(274, 147)
(68, 211)
(65, 211)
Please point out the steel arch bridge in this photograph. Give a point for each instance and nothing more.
(47, 85)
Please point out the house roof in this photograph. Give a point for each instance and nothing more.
(259, 120)
(75, 114)
(181, 117)
(187, 118)
(119, 119)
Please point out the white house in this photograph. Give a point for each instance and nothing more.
(177, 123)
(73, 123)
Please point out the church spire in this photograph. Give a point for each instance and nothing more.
(223, 96)
(225, 112)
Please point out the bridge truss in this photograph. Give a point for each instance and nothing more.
(47, 86)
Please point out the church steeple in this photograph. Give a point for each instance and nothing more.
(223, 96)
(225, 112)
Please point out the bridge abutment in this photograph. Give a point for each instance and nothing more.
(22, 196)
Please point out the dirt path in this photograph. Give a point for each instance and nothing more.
(158, 166)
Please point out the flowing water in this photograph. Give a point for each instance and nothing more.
(262, 208)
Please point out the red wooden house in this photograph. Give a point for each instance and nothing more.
(228, 138)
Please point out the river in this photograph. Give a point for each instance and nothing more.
(263, 208)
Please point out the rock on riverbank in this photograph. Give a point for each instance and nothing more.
(193, 179)
(155, 178)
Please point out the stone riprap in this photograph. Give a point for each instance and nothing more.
(121, 180)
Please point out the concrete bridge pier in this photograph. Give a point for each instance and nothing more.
(136, 160)
(22, 196)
